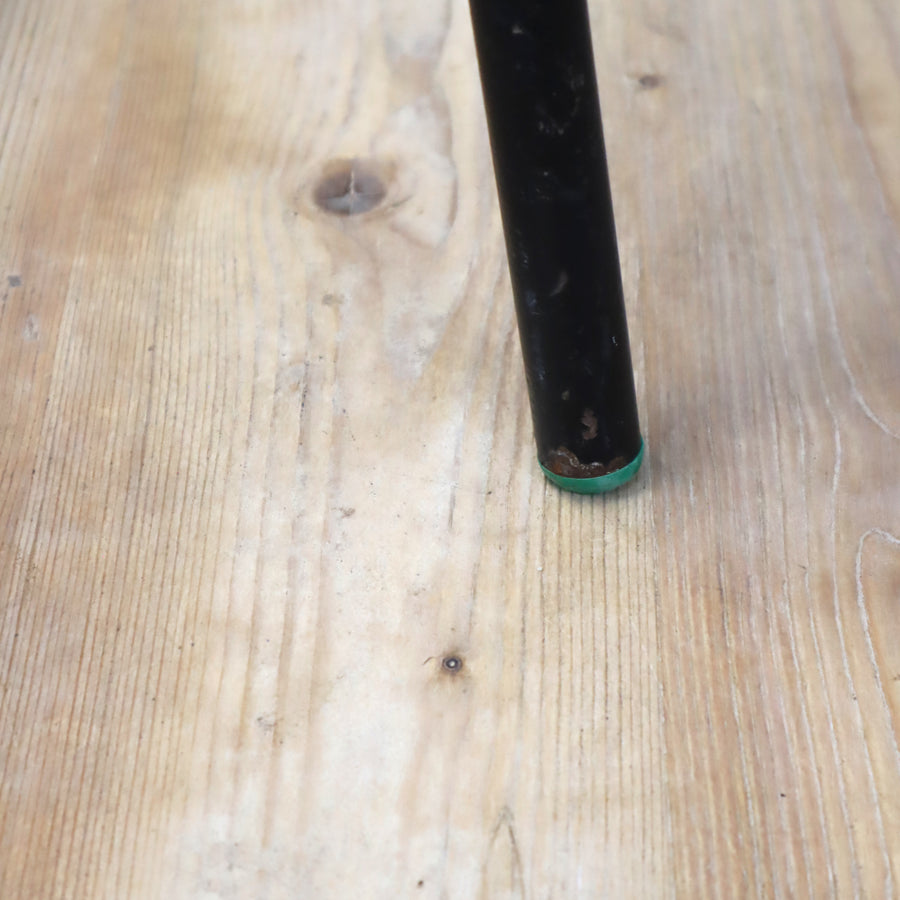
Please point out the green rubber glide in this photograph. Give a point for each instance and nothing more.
(602, 483)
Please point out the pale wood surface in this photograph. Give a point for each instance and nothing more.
(263, 467)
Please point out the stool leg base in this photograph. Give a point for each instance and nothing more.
(602, 483)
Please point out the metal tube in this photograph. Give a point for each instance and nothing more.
(543, 113)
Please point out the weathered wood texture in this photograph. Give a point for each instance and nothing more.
(264, 467)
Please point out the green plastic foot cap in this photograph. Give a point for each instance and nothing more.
(599, 484)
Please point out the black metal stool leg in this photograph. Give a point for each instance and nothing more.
(543, 112)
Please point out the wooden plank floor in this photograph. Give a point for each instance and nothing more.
(265, 467)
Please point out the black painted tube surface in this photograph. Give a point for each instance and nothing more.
(543, 112)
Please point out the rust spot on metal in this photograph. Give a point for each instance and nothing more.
(565, 463)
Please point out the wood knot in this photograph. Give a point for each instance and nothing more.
(650, 81)
(349, 187)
